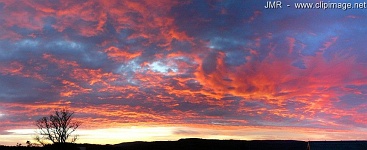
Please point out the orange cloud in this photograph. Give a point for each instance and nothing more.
(17, 68)
(121, 55)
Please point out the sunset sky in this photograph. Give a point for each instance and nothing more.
(147, 70)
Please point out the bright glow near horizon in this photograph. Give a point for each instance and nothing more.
(130, 134)
(118, 135)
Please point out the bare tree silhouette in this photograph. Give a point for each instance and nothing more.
(57, 128)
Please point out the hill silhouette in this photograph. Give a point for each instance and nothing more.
(207, 144)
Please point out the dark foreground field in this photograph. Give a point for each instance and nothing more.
(203, 144)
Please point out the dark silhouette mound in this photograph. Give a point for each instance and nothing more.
(61, 146)
(202, 144)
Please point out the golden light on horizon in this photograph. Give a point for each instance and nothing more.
(125, 134)
(176, 132)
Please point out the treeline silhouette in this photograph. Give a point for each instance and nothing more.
(183, 144)
(204, 144)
